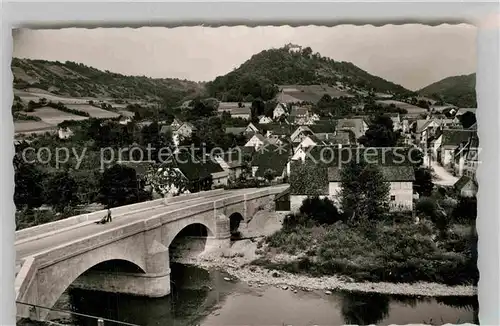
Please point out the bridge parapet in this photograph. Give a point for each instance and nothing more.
(44, 276)
(57, 226)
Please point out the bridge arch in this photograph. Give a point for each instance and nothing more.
(192, 238)
(234, 222)
(54, 280)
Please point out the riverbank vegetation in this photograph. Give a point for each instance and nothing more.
(440, 247)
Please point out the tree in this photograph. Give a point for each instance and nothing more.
(61, 191)
(467, 119)
(269, 174)
(118, 186)
(321, 211)
(380, 133)
(364, 193)
(466, 209)
(423, 184)
(28, 190)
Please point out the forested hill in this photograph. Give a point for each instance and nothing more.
(78, 80)
(259, 75)
(456, 90)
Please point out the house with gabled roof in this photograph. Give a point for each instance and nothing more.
(265, 120)
(466, 186)
(256, 141)
(357, 126)
(198, 171)
(398, 173)
(251, 128)
(449, 141)
(274, 158)
(300, 136)
(308, 141)
(279, 110)
(234, 160)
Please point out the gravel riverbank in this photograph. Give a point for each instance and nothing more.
(235, 261)
(237, 267)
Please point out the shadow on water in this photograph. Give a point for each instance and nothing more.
(194, 293)
(364, 309)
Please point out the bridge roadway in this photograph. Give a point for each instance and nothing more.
(26, 248)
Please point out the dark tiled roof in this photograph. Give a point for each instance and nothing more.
(235, 130)
(166, 129)
(277, 129)
(323, 127)
(462, 182)
(454, 137)
(141, 168)
(272, 158)
(334, 156)
(194, 168)
(298, 111)
(390, 173)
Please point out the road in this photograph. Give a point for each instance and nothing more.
(441, 176)
(83, 230)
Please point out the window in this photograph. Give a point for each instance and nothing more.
(393, 198)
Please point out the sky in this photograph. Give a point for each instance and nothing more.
(412, 55)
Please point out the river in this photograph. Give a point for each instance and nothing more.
(201, 297)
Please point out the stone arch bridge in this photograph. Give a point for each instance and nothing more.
(52, 256)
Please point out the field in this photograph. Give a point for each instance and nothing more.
(412, 109)
(93, 111)
(53, 116)
(32, 127)
(308, 93)
(36, 94)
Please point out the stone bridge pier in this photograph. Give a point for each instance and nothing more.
(131, 258)
(154, 280)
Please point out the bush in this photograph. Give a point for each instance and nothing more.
(322, 211)
(401, 253)
(466, 210)
(427, 206)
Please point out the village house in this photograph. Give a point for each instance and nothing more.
(308, 141)
(448, 142)
(299, 115)
(396, 121)
(279, 110)
(265, 120)
(466, 160)
(399, 173)
(234, 160)
(257, 141)
(185, 130)
(358, 126)
(198, 171)
(299, 137)
(64, 133)
(466, 186)
(299, 133)
(125, 120)
(400, 178)
(272, 161)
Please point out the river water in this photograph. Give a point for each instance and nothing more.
(201, 297)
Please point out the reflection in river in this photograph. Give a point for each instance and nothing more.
(205, 298)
